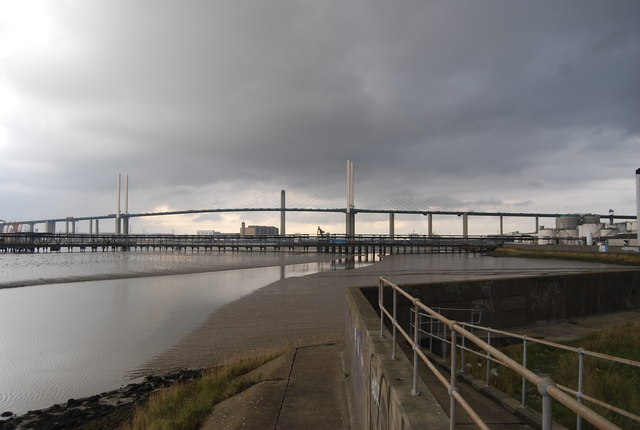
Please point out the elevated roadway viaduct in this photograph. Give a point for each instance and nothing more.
(122, 220)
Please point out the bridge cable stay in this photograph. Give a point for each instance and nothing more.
(373, 191)
(318, 193)
(333, 198)
(377, 191)
(326, 195)
(85, 202)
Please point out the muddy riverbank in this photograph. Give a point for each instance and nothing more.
(312, 308)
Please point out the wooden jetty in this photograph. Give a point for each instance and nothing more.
(336, 244)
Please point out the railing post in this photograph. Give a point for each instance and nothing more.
(414, 390)
(452, 400)
(523, 399)
(393, 347)
(488, 359)
(380, 305)
(547, 418)
(462, 355)
(444, 342)
(430, 333)
(580, 384)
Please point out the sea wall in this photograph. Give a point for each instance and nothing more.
(381, 387)
(516, 302)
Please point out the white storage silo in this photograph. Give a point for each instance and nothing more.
(547, 236)
(585, 229)
(568, 237)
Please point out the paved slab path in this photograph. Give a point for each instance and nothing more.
(301, 390)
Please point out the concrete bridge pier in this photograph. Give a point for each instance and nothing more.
(351, 224)
(391, 225)
(97, 226)
(283, 231)
(502, 226)
(465, 225)
(117, 230)
(49, 226)
(350, 229)
(430, 224)
(125, 225)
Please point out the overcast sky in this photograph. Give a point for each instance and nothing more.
(482, 105)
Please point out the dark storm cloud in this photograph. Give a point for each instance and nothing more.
(283, 92)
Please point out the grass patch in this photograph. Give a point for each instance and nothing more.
(594, 257)
(613, 383)
(185, 406)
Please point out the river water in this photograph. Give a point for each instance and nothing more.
(61, 340)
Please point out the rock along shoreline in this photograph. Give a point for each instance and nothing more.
(101, 411)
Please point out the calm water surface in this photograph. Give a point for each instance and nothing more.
(21, 267)
(72, 340)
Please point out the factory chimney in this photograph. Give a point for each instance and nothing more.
(638, 207)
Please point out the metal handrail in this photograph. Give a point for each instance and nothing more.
(450, 386)
(558, 345)
(546, 386)
(472, 311)
(580, 396)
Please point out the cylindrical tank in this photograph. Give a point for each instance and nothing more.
(568, 237)
(590, 219)
(585, 229)
(546, 236)
(567, 222)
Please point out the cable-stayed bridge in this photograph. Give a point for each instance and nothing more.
(376, 195)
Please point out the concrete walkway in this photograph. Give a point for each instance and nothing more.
(304, 389)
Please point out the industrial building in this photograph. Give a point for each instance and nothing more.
(208, 233)
(258, 230)
(587, 229)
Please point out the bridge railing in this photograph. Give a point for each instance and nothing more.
(468, 335)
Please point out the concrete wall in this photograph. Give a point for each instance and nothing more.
(615, 247)
(524, 301)
(381, 387)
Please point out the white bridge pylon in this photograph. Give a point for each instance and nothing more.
(350, 224)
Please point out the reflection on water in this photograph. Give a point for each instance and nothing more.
(72, 340)
(55, 267)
